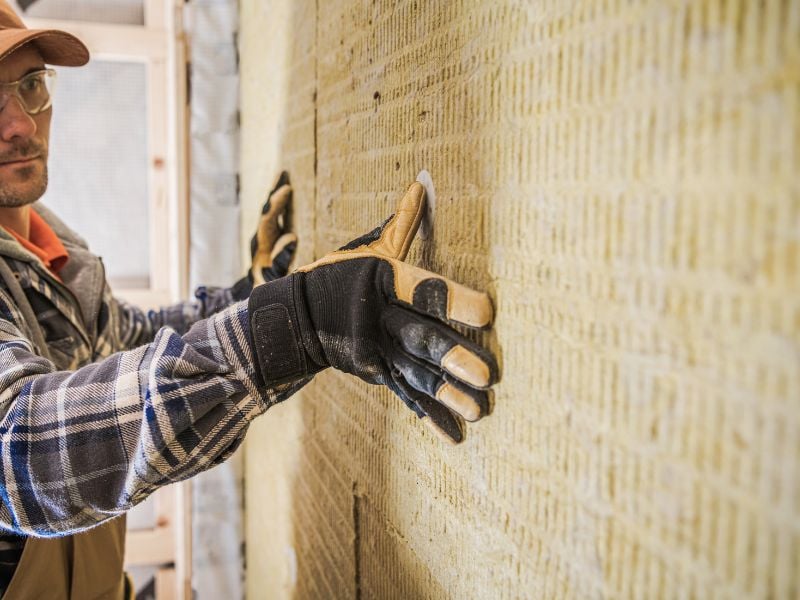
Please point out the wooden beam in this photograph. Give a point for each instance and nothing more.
(183, 541)
(166, 585)
(150, 546)
(178, 151)
(155, 13)
(157, 152)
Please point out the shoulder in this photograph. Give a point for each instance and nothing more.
(61, 229)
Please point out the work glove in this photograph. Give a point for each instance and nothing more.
(363, 311)
(273, 245)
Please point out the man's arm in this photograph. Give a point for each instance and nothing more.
(137, 327)
(84, 446)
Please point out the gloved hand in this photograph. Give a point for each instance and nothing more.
(363, 311)
(273, 245)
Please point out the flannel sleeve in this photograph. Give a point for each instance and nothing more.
(137, 326)
(81, 447)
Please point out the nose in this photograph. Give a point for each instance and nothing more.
(15, 122)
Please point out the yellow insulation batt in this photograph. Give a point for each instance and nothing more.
(622, 178)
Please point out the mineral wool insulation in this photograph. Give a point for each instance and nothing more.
(622, 178)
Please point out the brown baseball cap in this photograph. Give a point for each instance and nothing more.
(56, 47)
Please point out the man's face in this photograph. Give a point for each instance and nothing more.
(23, 137)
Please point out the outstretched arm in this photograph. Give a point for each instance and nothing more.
(80, 447)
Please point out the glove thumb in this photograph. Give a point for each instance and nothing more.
(393, 238)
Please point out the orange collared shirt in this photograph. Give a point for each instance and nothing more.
(43, 243)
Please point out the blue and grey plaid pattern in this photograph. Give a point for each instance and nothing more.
(128, 403)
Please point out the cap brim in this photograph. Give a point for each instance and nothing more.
(56, 47)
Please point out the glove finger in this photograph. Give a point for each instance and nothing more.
(254, 245)
(269, 230)
(277, 201)
(440, 297)
(280, 259)
(269, 226)
(437, 418)
(469, 403)
(441, 346)
(285, 246)
(394, 384)
(267, 209)
(282, 179)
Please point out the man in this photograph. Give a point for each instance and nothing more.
(101, 404)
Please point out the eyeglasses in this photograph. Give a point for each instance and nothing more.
(34, 91)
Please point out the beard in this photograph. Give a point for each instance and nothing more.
(24, 185)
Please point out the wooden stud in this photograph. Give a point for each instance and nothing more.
(156, 13)
(166, 586)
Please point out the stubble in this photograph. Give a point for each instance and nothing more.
(26, 184)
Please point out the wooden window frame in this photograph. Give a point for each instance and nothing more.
(160, 45)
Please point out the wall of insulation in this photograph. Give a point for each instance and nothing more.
(622, 178)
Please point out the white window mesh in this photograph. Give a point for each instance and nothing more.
(98, 164)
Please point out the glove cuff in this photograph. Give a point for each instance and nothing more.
(283, 337)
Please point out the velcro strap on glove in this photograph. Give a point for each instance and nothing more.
(277, 322)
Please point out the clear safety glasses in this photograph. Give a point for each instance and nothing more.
(34, 91)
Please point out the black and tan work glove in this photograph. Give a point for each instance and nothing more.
(273, 245)
(363, 311)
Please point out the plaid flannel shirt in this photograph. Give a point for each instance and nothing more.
(128, 402)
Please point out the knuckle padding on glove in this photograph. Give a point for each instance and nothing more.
(430, 296)
(419, 335)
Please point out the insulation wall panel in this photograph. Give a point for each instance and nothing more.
(622, 178)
